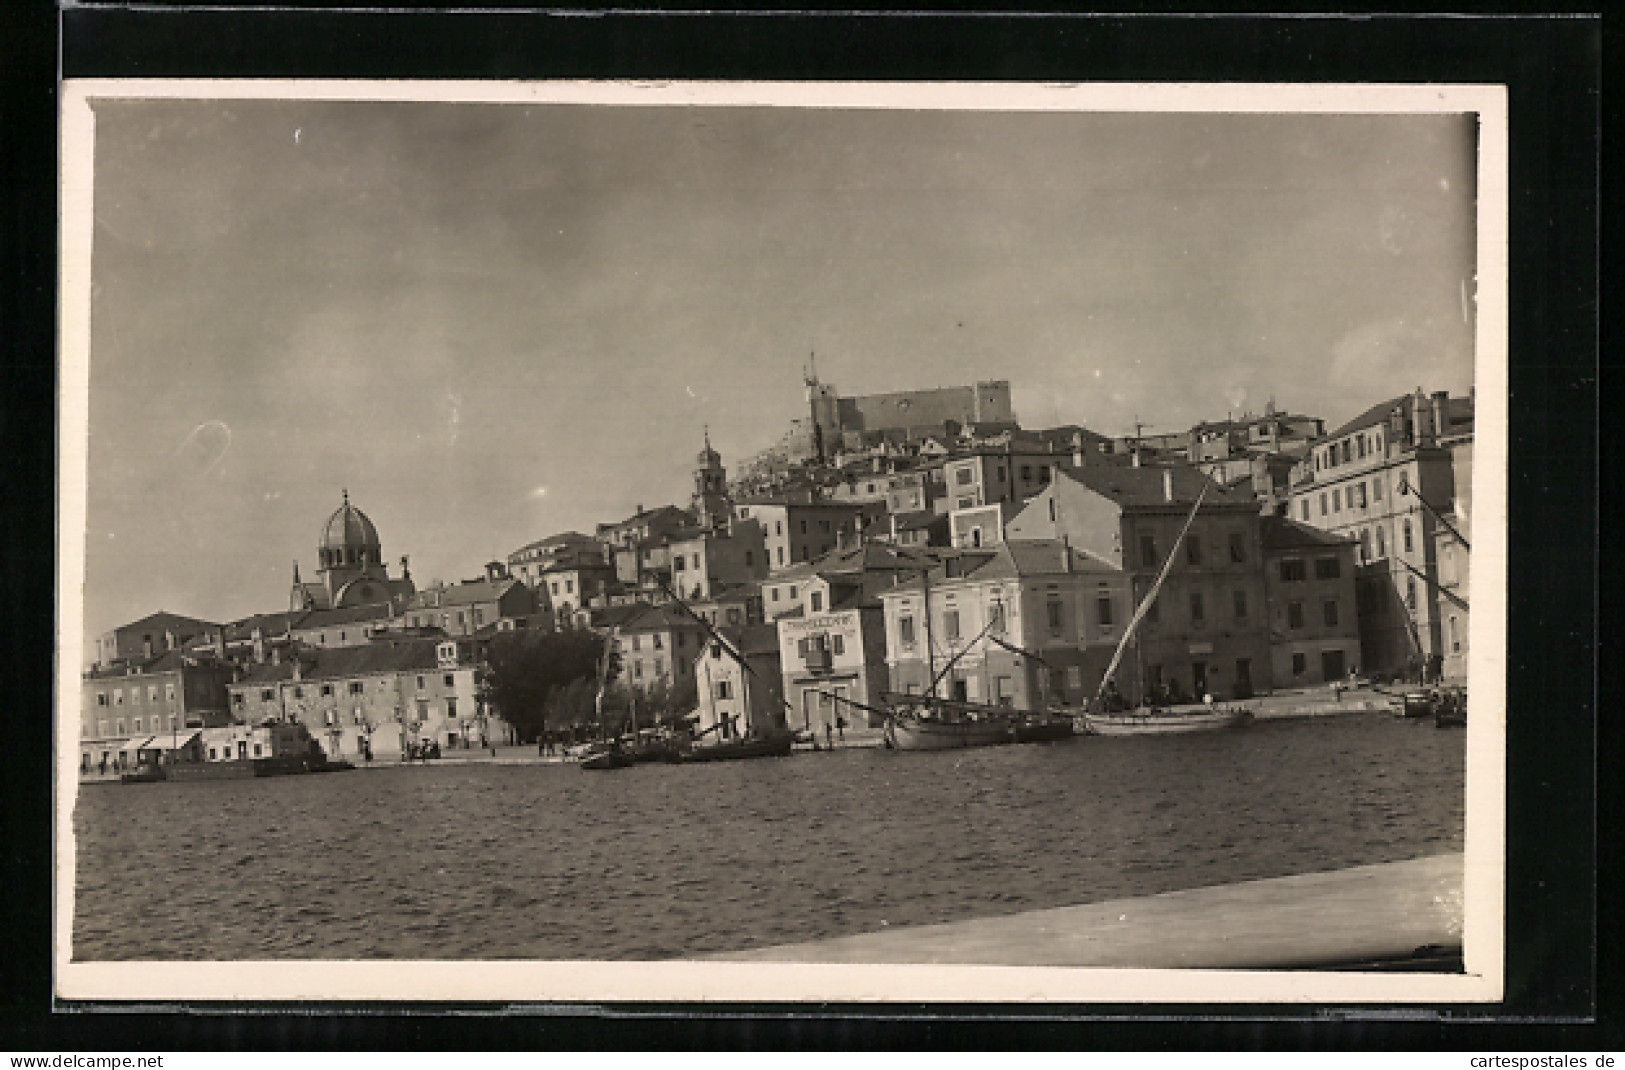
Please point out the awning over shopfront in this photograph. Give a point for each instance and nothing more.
(172, 742)
(135, 744)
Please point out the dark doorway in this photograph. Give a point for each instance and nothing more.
(1199, 675)
(961, 691)
(1244, 677)
(1331, 665)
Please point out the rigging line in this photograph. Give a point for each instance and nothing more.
(1019, 651)
(1151, 595)
(955, 659)
(1435, 584)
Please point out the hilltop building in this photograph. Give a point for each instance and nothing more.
(351, 570)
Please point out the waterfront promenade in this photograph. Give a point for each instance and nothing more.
(1365, 914)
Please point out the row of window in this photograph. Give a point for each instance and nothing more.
(1328, 614)
(1295, 569)
(1354, 497)
(1349, 450)
(1194, 550)
(117, 696)
(355, 687)
(154, 724)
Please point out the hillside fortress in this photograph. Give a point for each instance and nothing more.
(834, 423)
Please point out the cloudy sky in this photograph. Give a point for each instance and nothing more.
(494, 322)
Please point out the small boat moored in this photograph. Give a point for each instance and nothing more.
(1160, 722)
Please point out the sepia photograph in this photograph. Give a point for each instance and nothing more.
(781, 541)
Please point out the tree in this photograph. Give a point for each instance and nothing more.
(523, 669)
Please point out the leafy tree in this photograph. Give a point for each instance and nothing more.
(525, 668)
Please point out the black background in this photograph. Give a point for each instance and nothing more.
(1562, 986)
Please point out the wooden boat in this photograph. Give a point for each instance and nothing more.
(772, 745)
(612, 757)
(925, 722)
(1042, 730)
(1171, 721)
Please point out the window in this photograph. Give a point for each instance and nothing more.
(1327, 568)
(298, 692)
(905, 630)
(1329, 611)
(451, 681)
(995, 617)
(1238, 548)
(1382, 541)
(637, 670)
(1359, 495)
(1241, 605)
(1322, 503)
(793, 593)
(1337, 500)
(804, 527)
(1052, 509)
(1294, 614)
(1103, 610)
(750, 559)
(1305, 509)
(1293, 570)
(678, 563)
(421, 683)
(1365, 545)
(773, 594)
(1148, 551)
(327, 690)
(781, 555)
(1193, 550)
(1376, 489)
(1348, 452)
(721, 689)
(1197, 616)
(1026, 473)
(778, 527)
(636, 643)
(1359, 446)
(118, 697)
(1410, 593)
(1408, 546)
(1300, 664)
(137, 724)
(837, 644)
(657, 641)
(120, 726)
(355, 687)
(101, 698)
(266, 694)
(950, 624)
(1455, 636)
(1053, 613)
(1043, 473)
(962, 476)
(817, 598)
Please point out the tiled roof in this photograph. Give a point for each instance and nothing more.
(269, 624)
(330, 662)
(462, 594)
(1279, 533)
(323, 618)
(562, 539)
(1014, 559)
(163, 618)
(1147, 486)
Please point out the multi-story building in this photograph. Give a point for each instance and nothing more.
(1383, 478)
(1309, 578)
(914, 530)
(979, 525)
(1207, 632)
(461, 609)
(907, 491)
(527, 563)
(738, 684)
(1027, 624)
(347, 626)
(657, 645)
(795, 532)
(861, 569)
(834, 665)
(149, 637)
(125, 704)
(703, 561)
(1453, 552)
(374, 701)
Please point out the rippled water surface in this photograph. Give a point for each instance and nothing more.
(550, 861)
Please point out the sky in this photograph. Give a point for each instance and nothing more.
(495, 322)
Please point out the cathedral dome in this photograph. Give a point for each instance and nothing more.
(349, 529)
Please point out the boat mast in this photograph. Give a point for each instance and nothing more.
(930, 649)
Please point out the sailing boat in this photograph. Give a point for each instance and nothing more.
(931, 722)
(608, 753)
(1154, 720)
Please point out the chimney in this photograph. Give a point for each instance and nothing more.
(146, 646)
(1134, 456)
(1077, 449)
(298, 670)
(1441, 413)
(1066, 555)
(258, 641)
(276, 655)
(169, 639)
(1420, 436)
(1168, 484)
